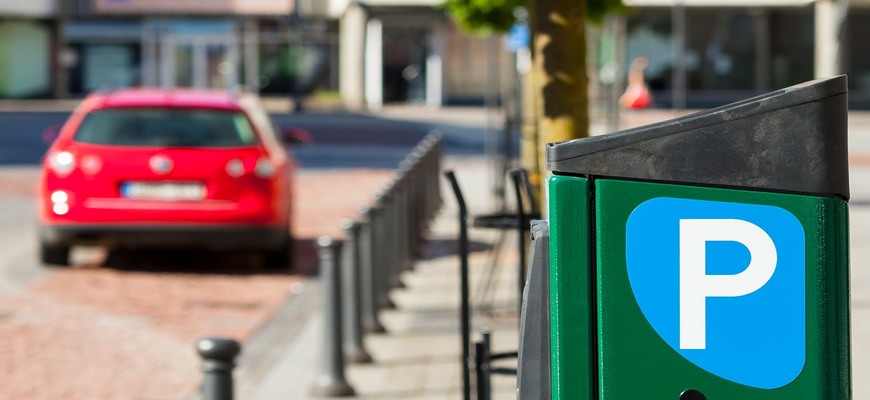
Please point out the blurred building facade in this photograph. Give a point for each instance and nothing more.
(705, 53)
(401, 51)
(702, 52)
(27, 48)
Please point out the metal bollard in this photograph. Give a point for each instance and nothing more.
(380, 255)
(415, 220)
(218, 360)
(431, 178)
(401, 226)
(369, 294)
(482, 352)
(437, 153)
(331, 382)
(434, 169)
(399, 234)
(409, 221)
(391, 239)
(354, 349)
(420, 201)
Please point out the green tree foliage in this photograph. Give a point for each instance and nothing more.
(484, 16)
(597, 9)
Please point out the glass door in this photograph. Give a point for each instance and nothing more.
(209, 61)
(182, 57)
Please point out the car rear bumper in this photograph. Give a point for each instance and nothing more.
(201, 236)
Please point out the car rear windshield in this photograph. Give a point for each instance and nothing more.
(158, 127)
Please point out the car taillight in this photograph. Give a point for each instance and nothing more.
(61, 162)
(60, 202)
(264, 168)
(235, 168)
(91, 165)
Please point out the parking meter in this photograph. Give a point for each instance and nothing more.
(704, 257)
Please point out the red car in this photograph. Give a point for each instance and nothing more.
(167, 167)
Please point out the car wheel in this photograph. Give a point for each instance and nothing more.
(280, 256)
(54, 256)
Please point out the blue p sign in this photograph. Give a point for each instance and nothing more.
(723, 284)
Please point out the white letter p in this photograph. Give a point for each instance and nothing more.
(696, 286)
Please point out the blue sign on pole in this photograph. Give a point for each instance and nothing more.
(517, 37)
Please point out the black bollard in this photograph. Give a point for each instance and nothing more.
(400, 207)
(432, 178)
(406, 220)
(436, 152)
(218, 360)
(417, 217)
(390, 259)
(482, 355)
(354, 349)
(368, 271)
(381, 255)
(330, 382)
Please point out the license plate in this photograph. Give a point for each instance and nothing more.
(163, 191)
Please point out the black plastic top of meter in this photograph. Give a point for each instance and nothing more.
(791, 140)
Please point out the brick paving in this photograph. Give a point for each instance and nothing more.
(127, 331)
(18, 181)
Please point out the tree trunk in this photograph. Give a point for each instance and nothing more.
(558, 73)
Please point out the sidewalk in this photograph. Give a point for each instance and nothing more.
(419, 356)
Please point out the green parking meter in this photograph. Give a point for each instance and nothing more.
(704, 257)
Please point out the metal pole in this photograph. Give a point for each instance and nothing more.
(402, 229)
(409, 214)
(330, 382)
(407, 218)
(218, 359)
(354, 349)
(479, 387)
(368, 274)
(436, 156)
(433, 154)
(381, 237)
(392, 240)
(428, 193)
(484, 370)
(421, 190)
(465, 321)
(419, 172)
(487, 367)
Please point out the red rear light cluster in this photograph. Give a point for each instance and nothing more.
(235, 168)
(264, 168)
(91, 165)
(61, 163)
(60, 202)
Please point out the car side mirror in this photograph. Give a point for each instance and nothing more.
(50, 133)
(296, 136)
